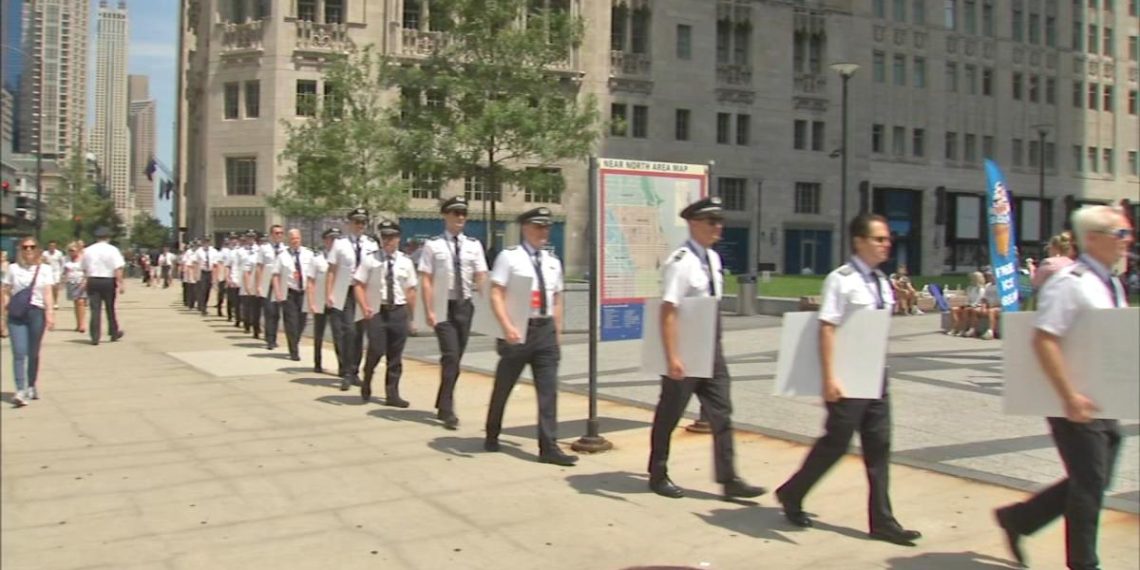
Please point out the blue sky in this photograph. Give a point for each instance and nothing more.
(153, 52)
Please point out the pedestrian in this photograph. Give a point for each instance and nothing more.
(166, 263)
(316, 298)
(462, 258)
(206, 258)
(1088, 445)
(1060, 256)
(55, 258)
(266, 269)
(391, 274)
(345, 258)
(246, 264)
(103, 267)
(289, 279)
(3, 274)
(73, 277)
(144, 268)
(855, 286)
(27, 298)
(220, 269)
(229, 279)
(695, 270)
(541, 349)
(186, 269)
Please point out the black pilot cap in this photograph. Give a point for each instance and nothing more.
(710, 207)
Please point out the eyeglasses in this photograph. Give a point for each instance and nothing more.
(27, 247)
(878, 239)
(1118, 233)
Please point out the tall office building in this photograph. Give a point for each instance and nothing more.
(52, 75)
(1040, 86)
(12, 64)
(110, 138)
(141, 124)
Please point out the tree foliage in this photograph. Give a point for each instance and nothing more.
(77, 208)
(149, 233)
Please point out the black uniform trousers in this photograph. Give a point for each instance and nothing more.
(272, 316)
(101, 291)
(165, 276)
(205, 283)
(222, 297)
(320, 324)
(387, 335)
(1089, 453)
(542, 353)
(348, 335)
(872, 419)
(188, 294)
(293, 313)
(716, 401)
(232, 309)
(452, 335)
(251, 305)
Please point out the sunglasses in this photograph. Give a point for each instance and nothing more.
(27, 247)
(1118, 233)
(878, 239)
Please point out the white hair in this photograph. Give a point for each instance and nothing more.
(1090, 219)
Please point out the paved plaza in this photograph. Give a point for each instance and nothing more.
(189, 446)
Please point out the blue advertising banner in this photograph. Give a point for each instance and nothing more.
(1003, 253)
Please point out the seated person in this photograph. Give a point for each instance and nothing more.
(963, 319)
(906, 298)
(991, 307)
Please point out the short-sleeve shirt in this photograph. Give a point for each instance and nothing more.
(286, 267)
(246, 263)
(19, 278)
(267, 256)
(101, 259)
(206, 258)
(1072, 291)
(376, 265)
(73, 271)
(852, 287)
(687, 272)
(55, 259)
(519, 261)
(439, 255)
(343, 256)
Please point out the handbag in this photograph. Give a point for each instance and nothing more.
(21, 303)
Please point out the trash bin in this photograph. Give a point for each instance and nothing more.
(746, 295)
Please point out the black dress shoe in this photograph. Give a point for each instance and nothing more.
(557, 457)
(117, 336)
(1012, 537)
(345, 384)
(450, 421)
(491, 444)
(355, 379)
(317, 369)
(664, 486)
(295, 357)
(396, 402)
(793, 512)
(366, 392)
(737, 489)
(897, 535)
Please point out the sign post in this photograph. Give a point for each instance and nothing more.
(593, 442)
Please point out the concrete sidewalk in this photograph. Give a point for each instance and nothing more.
(188, 446)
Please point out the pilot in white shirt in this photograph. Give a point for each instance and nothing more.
(348, 334)
(386, 293)
(290, 277)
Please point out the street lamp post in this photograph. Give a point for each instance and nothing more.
(845, 71)
(1042, 130)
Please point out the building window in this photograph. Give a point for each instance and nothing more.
(817, 138)
(334, 103)
(807, 197)
(743, 129)
(1050, 155)
(1093, 159)
(1109, 45)
(1050, 91)
(639, 30)
(1133, 48)
(1051, 31)
(920, 72)
(987, 18)
(1035, 29)
(988, 147)
(411, 15)
(1093, 41)
(900, 69)
(879, 66)
(1078, 158)
(723, 127)
(618, 124)
(1134, 163)
(970, 16)
(1108, 163)
(1015, 86)
(681, 125)
(1034, 149)
(1133, 7)
(950, 12)
(640, 121)
(876, 139)
(971, 73)
(733, 39)
(233, 100)
(899, 11)
(988, 81)
(952, 77)
(1108, 99)
(306, 98)
(1094, 95)
(879, 8)
(951, 146)
(898, 141)
(252, 99)
(1016, 151)
(241, 176)
(475, 189)
(307, 10)
(918, 143)
(684, 41)
(971, 154)
(547, 194)
(1078, 36)
(731, 191)
(1078, 94)
(618, 17)
(423, 186)
(918, 12)
(334, 11)
(1034, 88)
(1132, 102)
(799, 134)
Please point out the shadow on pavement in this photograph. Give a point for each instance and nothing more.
(948, 561)
(338, 400)
(759, 522)
(277, 355)
(611, 485)
(298, 370)
(326, 382)
(605, 425)
(249, 344)
(238, 337)
(404, 415)
(80, 341)
(473, 446)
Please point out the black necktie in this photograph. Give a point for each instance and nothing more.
(1112, 291)
(297, 265)
(879, 304)
(391, 300)
(458, 269)
(708, 272)
(541, 282)
(356, 246)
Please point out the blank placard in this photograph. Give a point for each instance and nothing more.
(858, 361)
(518, 308)
(696, 334)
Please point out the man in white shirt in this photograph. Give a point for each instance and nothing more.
(248, 300)
(389, 277)
(346, 255)
(289, 280)
(103, 270)
(266, 269)
(544, 328)
(166, 263)
(220, 273)
(206, 257)
(461, 257)
(187, 274)
(55, 258)
(1088, 445)
(316, 298)
(232, 276)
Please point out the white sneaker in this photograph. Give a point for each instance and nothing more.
(33, 393)
(989, 335)
(18, 400)
(917, 311)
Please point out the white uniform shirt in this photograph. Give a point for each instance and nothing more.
(343, 255)
(233, 262)
(224, 256)
(19, 278)
(55, 259)
(247, 263)
(439, 255)
(286, 267)
(167, 259)
(851, 287)
(1073, 290)
(206, 258)
(519, 261)
(101, 259)
(373, 273)
(267, 256)
(319, 265)
(686, 273)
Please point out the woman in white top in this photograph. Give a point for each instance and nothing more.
(28, 332)
(3, 273)
(963, 318)
(73, 278)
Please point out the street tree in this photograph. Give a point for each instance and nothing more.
(149, 233)
(77, 207)
(497, 99)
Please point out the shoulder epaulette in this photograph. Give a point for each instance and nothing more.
(1079, 269)
(472, 238)
(845, 269)
(679, 254)
(513, 248)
